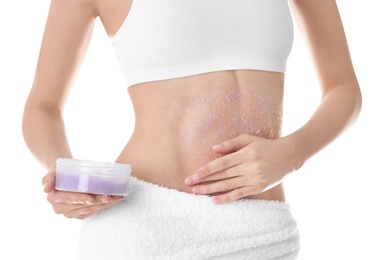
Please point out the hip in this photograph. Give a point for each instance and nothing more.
(155, 222)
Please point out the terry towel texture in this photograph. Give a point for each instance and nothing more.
(154, 222)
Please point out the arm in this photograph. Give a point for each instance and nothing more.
(252, 164)
(67, 35)
(321, 26)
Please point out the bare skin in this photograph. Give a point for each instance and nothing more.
(217, 133)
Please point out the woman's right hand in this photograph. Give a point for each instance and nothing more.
(74, 204)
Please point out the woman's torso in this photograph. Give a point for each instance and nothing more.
(179, 119)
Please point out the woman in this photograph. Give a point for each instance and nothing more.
(206, 82)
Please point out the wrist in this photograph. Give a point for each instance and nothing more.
(298, 154)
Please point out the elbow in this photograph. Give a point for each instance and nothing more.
(346, 97)
(354, 101)
(35, 117)
(28, 122)
(358, 100)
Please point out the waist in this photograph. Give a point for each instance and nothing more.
(178, 121)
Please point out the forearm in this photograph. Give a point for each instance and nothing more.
(339, 109)
(45, 135)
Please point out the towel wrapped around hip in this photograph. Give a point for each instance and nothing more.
(155, 222)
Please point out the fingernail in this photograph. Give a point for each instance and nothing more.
(217, 146)
(106, 199)
(197, 175)
(196, 190)
(216, 200)
(189, 181)
(118, 198)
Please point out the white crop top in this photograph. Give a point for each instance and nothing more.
(164, 39)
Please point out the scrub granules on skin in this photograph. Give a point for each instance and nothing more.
(221, 114)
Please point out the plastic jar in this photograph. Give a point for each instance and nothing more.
(93, 177)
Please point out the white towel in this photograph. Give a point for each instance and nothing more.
(155, 222)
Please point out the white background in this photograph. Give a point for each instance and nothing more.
(339, 198)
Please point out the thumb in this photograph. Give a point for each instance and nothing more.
(48, 181)
(234, 144)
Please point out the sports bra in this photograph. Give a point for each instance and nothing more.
(176, 38)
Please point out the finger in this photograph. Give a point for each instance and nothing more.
(95, 210)
(233, 195)
(80, 205)
(218, 165)
(80, 212)
(234, 144)
(75, 198)
(220, 186)
(49, 184)
(231, 172)
(84, 216)
(48, 181)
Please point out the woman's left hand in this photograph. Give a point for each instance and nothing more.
(250, 165)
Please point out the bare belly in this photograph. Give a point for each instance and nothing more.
(179, 120)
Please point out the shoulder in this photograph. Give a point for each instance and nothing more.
(68, 10)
